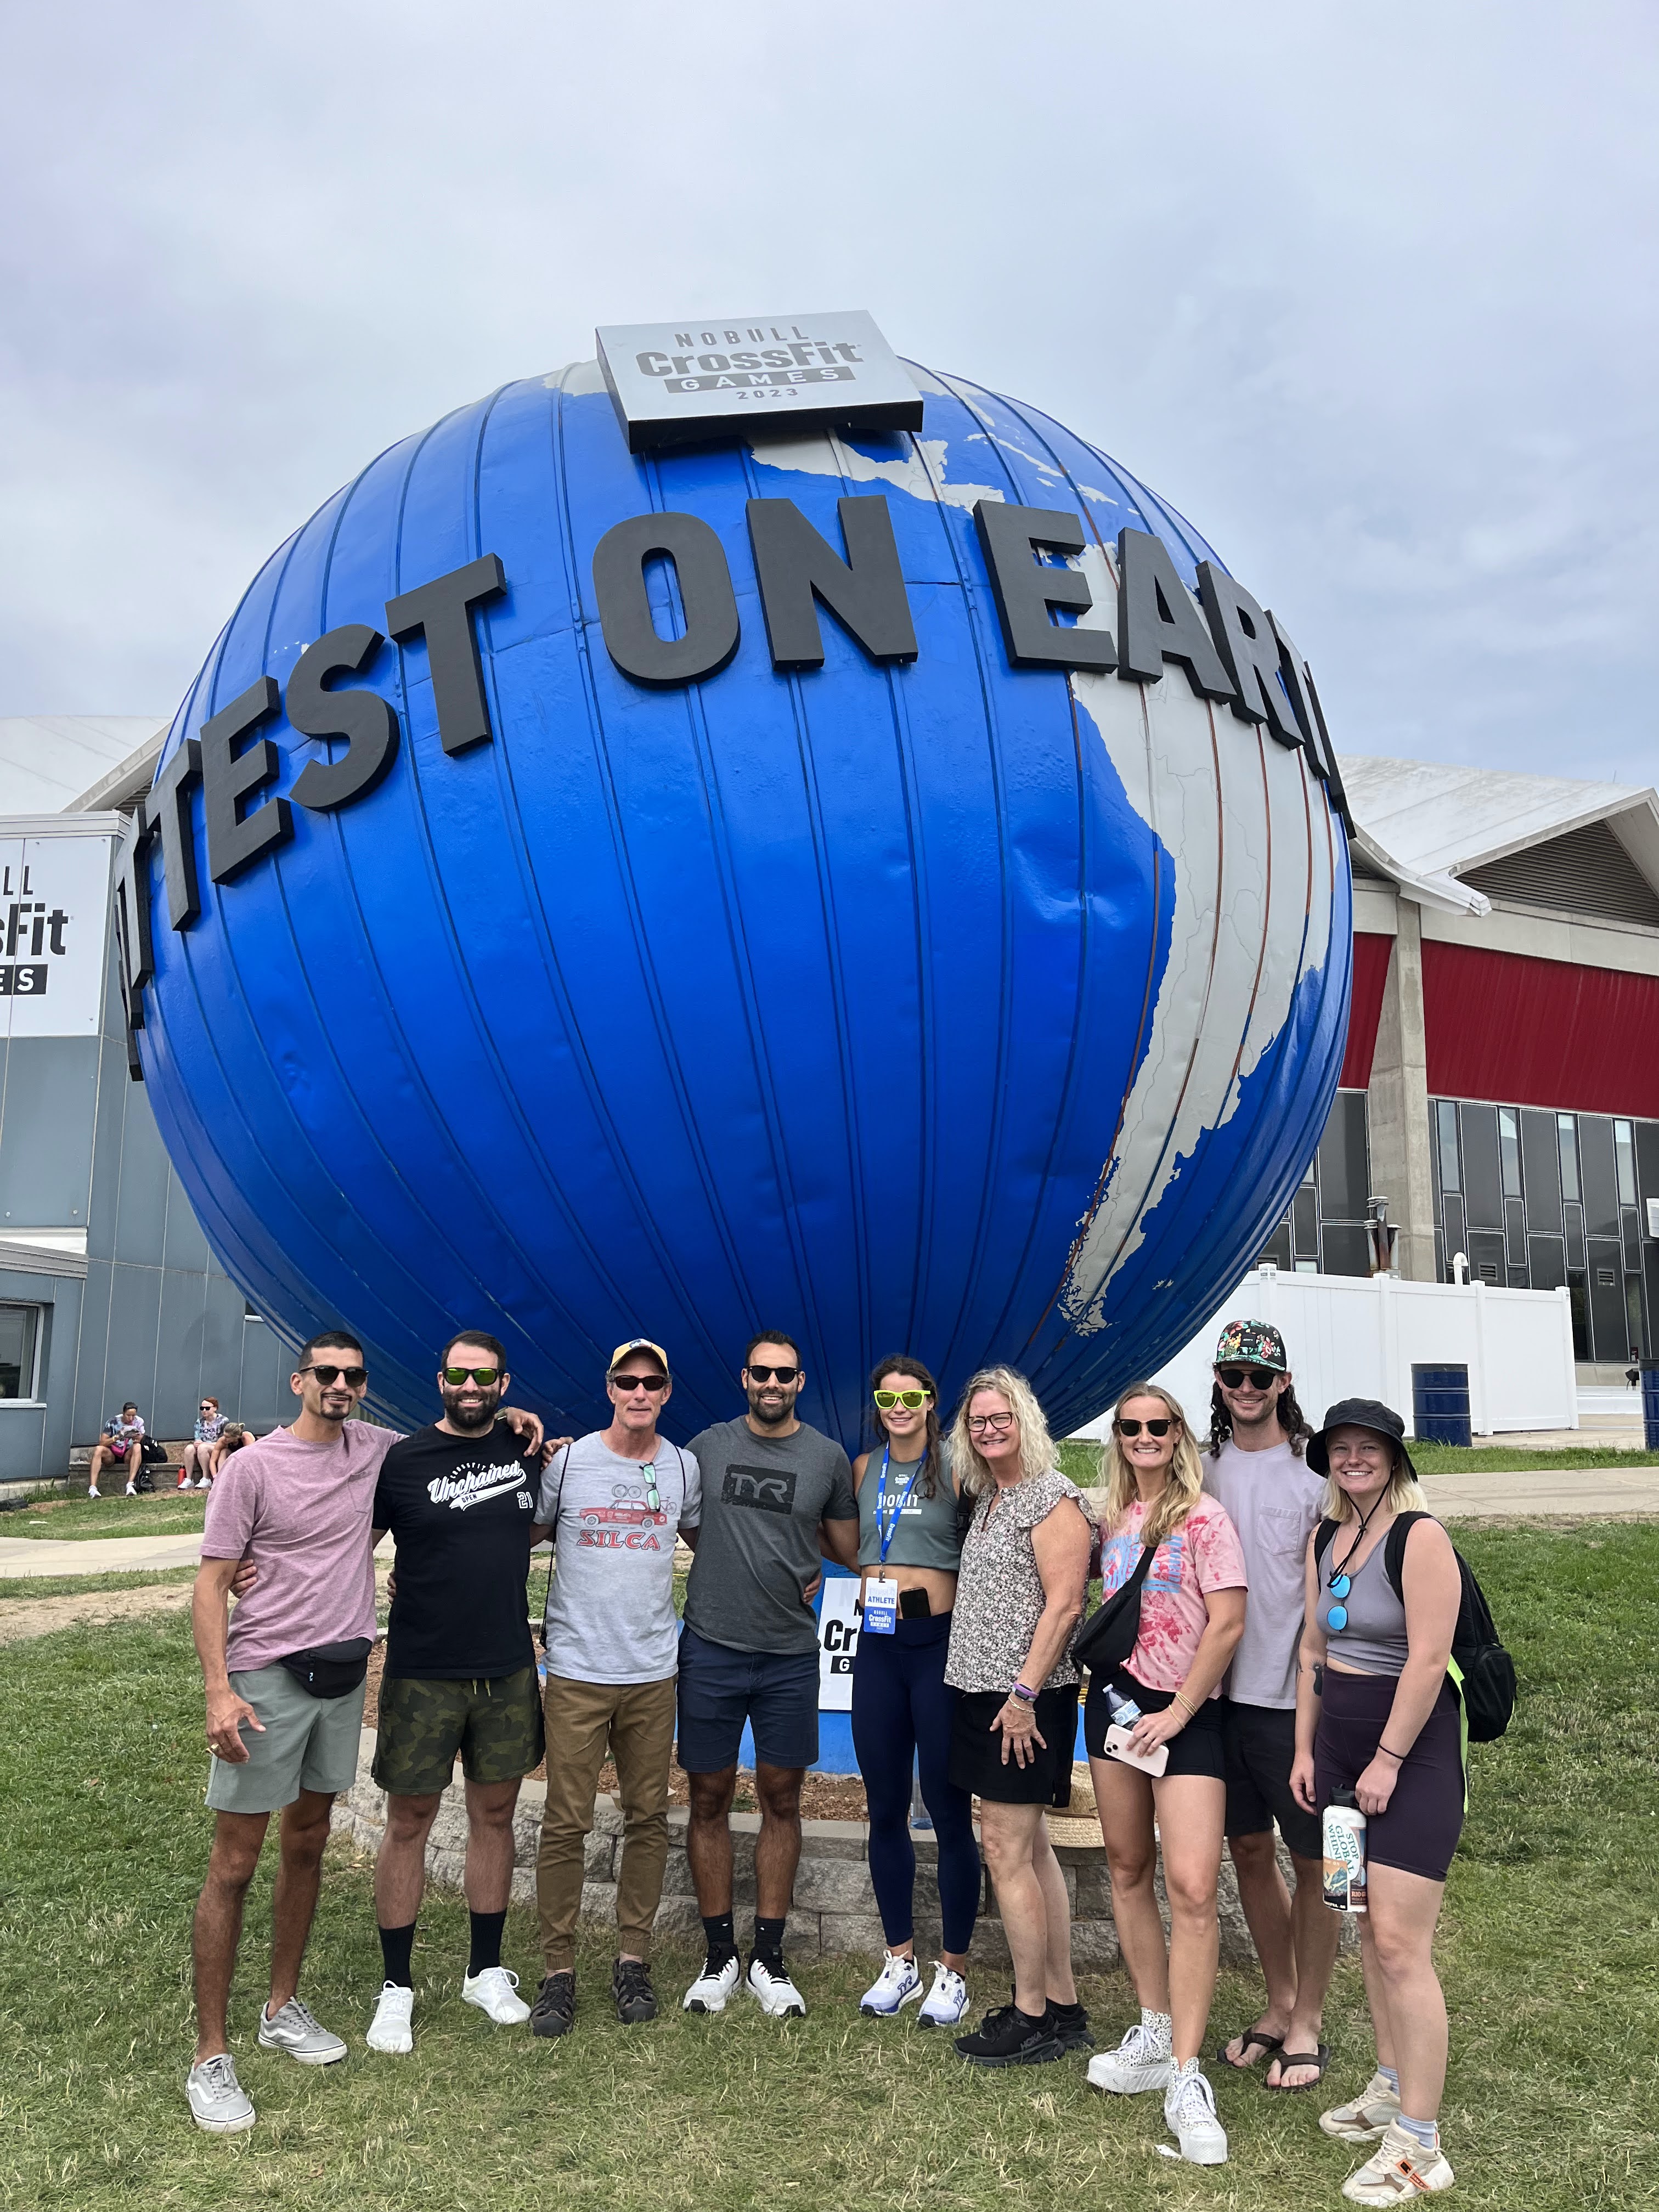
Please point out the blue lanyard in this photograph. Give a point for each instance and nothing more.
(885, 1529)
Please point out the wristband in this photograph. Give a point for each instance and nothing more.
(1026, 1697)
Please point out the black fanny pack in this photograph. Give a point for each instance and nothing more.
(1107, 1636)
(329, 1670)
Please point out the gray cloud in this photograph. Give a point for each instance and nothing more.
(1368, 296)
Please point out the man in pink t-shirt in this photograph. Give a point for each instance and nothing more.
(285, 1683)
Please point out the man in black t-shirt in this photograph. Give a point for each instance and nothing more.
(459, 1498)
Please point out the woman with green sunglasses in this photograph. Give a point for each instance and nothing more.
(909, 1542)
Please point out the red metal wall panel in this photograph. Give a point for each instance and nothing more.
(1370, 975)
(1539, 1032)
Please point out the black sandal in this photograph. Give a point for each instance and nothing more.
(1321, 2058)
(1253, 2039)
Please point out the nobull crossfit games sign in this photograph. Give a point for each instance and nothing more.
(672, 384)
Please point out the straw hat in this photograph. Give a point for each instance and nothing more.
(1078, 1825)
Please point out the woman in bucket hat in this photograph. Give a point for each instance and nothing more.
(1376, 1715)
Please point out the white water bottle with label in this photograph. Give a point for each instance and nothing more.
(1344, 1853)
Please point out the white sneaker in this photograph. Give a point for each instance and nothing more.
(99, 1493)
(898, 1982)
(712, 1988)
(494, 1992)
(296, 2030)
(776, 1993)
(131, 1491)
(1365, 2120)
(1190, 2115)
(218, 2101)
(946, 2001)
(1139, 2062)
(390, 2028)
(1399, 2170)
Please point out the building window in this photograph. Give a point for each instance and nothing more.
(1446, 1121)
(1624, 1155)
(20, 1339)
(1508, 1150)
(1566, 1127)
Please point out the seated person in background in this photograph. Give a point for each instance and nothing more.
(194, 1472)
(118, 1446)
(231, 1437)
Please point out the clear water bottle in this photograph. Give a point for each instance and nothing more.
(1124, 1711)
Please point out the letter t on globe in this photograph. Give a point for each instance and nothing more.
(723, 376)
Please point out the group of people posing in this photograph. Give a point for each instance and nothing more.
(1280, 1654)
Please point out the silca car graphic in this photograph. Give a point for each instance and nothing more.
(622, 1516)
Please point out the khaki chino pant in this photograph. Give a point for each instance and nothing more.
(634, 1722)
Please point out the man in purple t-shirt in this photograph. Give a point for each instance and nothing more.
(285, 1682)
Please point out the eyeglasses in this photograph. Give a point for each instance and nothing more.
(352, 1377)
(979, 1424)
(651, 1383)
(1153, 1428)
(775, 1374)
(1236, 1378)
(912, 1401)
(484, 1377)
(652, 1495)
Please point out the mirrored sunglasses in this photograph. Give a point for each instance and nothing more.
(484, 1377)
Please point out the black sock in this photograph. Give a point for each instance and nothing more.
(1036, 2018)
(720, 1937)
(1066, 2011)
(486, 1940)
(396, 1944)
(769, 1940)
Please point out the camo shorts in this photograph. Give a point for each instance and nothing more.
(496, 1726)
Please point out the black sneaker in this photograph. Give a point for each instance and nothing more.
(1071, 2024)
(554, 2012)
(1009, 2037)
(631, 1991)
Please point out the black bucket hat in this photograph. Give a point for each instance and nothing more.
(1358, 1414)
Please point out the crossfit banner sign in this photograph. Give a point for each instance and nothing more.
(675, 382)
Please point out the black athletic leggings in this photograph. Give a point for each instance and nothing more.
(902, 1715)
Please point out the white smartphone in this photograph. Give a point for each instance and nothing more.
(1119, 1747)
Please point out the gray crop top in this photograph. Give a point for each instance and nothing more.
(925, 1533)
(1374, 1641)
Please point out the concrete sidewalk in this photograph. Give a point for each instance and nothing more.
(34, 1556)
(1526, 1491)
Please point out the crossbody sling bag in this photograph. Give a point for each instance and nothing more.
(1107, 1636)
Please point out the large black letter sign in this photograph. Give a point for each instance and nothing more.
(631, 637)
(367, 722)
(235, 838)
(795, 564)
(443, 609)
(1157, 621)
(1026, 589)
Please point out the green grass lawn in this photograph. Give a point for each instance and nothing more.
(123, 1578)
(1550, 1953)
(170, 1512)
(1081, 1460)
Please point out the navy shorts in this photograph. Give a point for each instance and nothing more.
(719, 1689)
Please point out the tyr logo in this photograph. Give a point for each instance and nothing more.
(769, 1488)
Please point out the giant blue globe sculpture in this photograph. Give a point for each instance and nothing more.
(988, 1013)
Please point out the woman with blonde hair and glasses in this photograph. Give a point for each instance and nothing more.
(1191, 1616)
(1019, 1594)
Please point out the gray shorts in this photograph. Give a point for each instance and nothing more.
(309, 1743)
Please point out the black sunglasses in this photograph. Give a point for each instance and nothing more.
(777, 1374)
(651, 1383)
(484, 1377)
(1235, 1378)
(1153, 1428)
(352, 1377)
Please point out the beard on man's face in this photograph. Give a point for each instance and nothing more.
(477, 1415)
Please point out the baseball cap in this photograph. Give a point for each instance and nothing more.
(637, 1344)
(1358, 1414)
(1253, 1344)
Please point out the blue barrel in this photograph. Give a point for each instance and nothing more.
(1440, 1405)
(1650, 1407)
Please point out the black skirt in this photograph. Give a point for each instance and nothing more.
(977, 1762)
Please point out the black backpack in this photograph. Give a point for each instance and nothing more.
(1481, 1670)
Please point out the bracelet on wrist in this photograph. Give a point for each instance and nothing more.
(1026, 1697)
(1191, 1711)
(1398, 1757)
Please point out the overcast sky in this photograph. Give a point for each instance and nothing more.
(1368, 293)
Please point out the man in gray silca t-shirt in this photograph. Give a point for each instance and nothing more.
(777, 1497)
